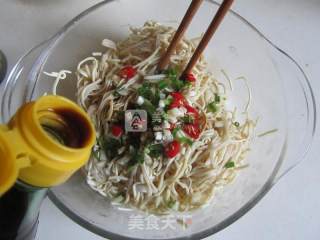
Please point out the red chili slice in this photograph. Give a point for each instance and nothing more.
(192, 130)
(175, 104)
(177, 96)
(116, 130)
(178, 100)
(172, 149)
(189, 77)
(127, 72)
(193, 112)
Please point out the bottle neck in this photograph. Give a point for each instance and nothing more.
(19, 211)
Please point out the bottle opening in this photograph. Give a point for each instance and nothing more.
(65, 126)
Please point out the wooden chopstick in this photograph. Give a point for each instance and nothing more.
(194, 6)
(223, 9)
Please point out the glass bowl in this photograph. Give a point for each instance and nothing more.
(282, 99)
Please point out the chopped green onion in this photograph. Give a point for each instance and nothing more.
(212, 107)
(171, 203)
(177, 84)
(188, 119)
(168, 101)
(216, 98)
(181, 139)
(111, 146)
(145, 91)
(146, 150)
(164, 116)
(162, 84)
(175, 131)
(237, 124)
(140, 158)
(185, 140)
(155, 150)
(173, 81)
(156, 97)
(171, 72)
(96, 154)
(229, 164)
(148, 106)
(187, 84)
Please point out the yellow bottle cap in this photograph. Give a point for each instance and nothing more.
(9, 169)
(45, 143)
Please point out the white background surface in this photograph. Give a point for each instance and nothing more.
(291, 210)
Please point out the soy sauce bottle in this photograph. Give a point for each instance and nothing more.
(19, 211)
(44, 143)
